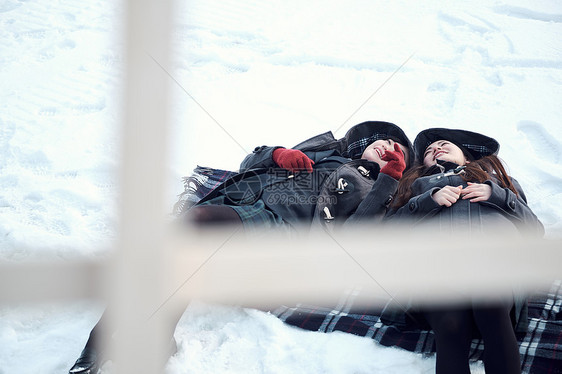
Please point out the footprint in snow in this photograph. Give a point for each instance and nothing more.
(7, 131)
(48, 111)
(7, 5)
(467, 21)
(526, 13)
(542, 141)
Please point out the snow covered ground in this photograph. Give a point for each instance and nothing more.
(252, 73)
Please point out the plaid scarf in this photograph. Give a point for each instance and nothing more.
(198, 185)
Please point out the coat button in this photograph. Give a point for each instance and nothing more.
(512, 205)
(388, 201)
(364, 172)
(412, 206)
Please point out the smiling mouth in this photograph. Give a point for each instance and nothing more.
(438, 154)
(379, 152)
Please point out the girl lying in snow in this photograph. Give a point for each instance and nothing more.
(322, 180)
(461, 186)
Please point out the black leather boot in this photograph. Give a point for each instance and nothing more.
(90, 361)
(87, 363)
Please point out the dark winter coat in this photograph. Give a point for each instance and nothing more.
(504, 210)
(338, 189)
(503, 207)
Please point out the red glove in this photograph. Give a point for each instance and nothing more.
(292, 160)
(395, 163)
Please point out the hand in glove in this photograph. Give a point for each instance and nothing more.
(395, 165)
(292, 160)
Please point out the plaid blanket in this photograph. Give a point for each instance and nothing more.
(540, 346)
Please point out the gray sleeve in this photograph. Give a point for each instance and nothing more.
(514, 207)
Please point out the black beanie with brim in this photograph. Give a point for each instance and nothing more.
(473, 145)
(360, 136)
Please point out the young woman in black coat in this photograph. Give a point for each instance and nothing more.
(332, 181)
(321, 179)
(461, 186)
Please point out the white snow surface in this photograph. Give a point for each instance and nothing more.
(249, 73)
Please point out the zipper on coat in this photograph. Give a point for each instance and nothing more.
(456, 171)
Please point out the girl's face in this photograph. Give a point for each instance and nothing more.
(443, 150)
(375, 150)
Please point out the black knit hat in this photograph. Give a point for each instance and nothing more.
(365, 133)
(473, 145)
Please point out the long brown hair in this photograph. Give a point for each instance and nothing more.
(477, 171)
